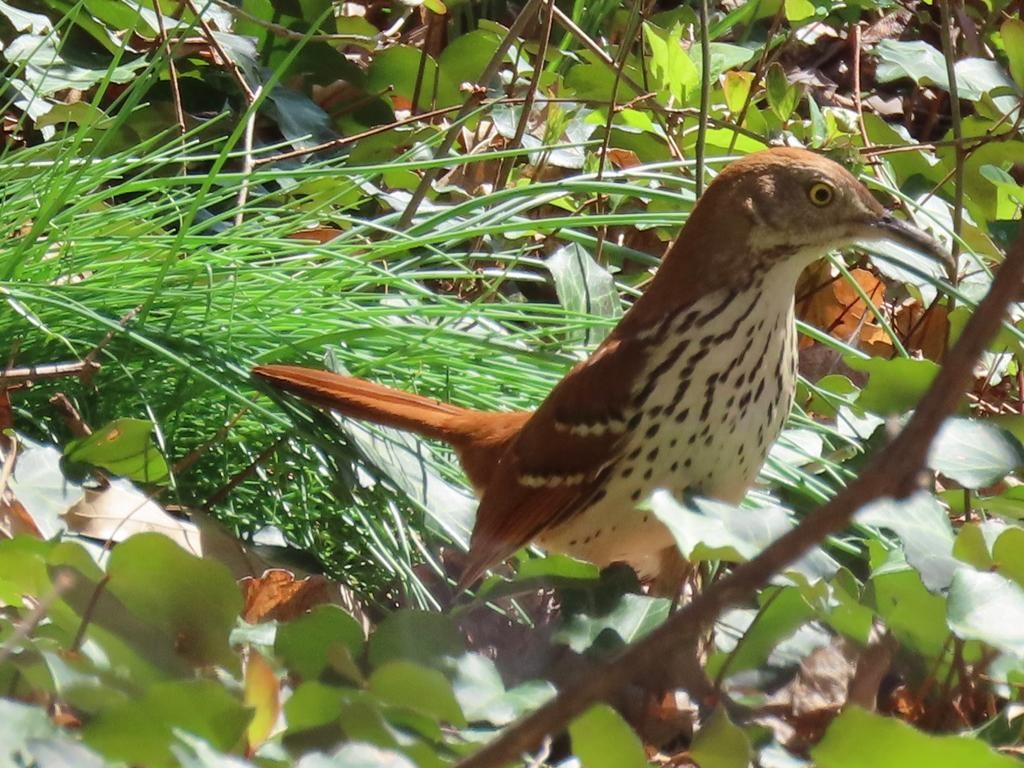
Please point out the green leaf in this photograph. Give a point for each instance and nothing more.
(1008, 554)
(974, 453)
(311, 705)
(419, 636)
(304, 644)
(987, 607)
(782, 96)
(736, 87)
(916, 616)
(916, 59)
(784, 611)
(427, 691)
(396, 70)
(124, 447)
(49, 68)
(142, 731)
(602, 739)
(705, 529)
(585, 287)
(925, 65)
(1012, 32)
(894, 386)
(482, 696)
(925, 532)
(194, 601)
(720, 743)
(356, 755)
(673, 72)
(632, 617)
(726, 56)
(973, 544)
(800, 10)
(464, 59)
(858, 738)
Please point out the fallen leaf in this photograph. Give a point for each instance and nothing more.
(280, 595)
(119, 511)
(830, 303)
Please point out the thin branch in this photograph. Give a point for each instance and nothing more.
(663, 114)
(211, 38)
(50, 371)
(172, 69)
(505, 166)
(289, 34)
(248, 163)
(705, 94)
(471, 103)
(949, 54)
(894, 472)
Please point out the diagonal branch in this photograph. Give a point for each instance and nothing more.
(893, 472)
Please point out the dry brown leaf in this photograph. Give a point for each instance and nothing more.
(316, 234)
(279, 595)
(118, 511)
(922, 328)
(623, 158)
(832, 304)
(15, 519)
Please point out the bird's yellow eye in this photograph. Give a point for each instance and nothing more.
(821, 194)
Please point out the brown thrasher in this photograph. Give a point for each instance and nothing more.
(687, 393)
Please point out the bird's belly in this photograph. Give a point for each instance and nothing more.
(706, 428)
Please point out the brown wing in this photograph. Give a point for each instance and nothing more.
(556, 463)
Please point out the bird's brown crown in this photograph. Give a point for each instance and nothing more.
(781, 203)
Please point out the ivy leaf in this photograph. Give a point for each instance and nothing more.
(857, 738)
(1012, 32)
(720, 743)
(585, 287)
(602, 739)
(925, 532)
(987, 607)
(124, 447)
(974, 453)
(423, 690)
(894, 386)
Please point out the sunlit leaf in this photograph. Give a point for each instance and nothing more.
(987, 607)
(601, 739)
(857, 738)
(125, 447)
(720, 743)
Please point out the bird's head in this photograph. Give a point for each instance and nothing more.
(793, 205)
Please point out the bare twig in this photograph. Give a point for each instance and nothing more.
(505, 166)
(248, 163)
(24, 629)
(894, 472)
(471, 103)
(591, 45)
(290, 34)
(211, 38)
(50, 371)
(172, 69)
(89, 361)
(949, 54)
(705, 94)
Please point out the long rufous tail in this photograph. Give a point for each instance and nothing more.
(478, 437)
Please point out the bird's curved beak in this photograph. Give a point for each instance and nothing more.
(888, 227)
